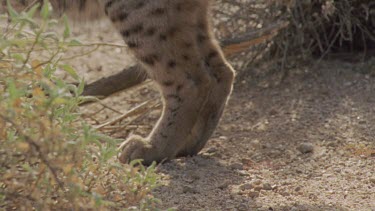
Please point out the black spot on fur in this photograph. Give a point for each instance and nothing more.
(172, 64)
(202, 26)
(150, 31)
(174, 111)
(172, 31)
(186, 57)
(163, 135)
(150, 59)
(201, 38)
(125, 33)
(216, 76)
(179, 7)
(158, 12)
(188, 76)
(137, 28)
(163, 37)
(175, 97)
(139, 5)
(212, 54)
(187, 44)
(179, 87)
(133, 30)
(108, 5)
(123, 16)
(168, 83)
(132, 44)
(170, 123)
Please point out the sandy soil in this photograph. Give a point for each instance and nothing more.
(307, 144)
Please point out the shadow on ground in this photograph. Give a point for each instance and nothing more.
(253, 162)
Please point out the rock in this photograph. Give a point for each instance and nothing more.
(258, 188)
(236, 166)
(223, 185)
(242, 207)
(294, 209)
(284, 193)
(189, 189)
(223, 138)
(253, 194)
(257, 183)
(212, 150)
(267, 186)
(331, 144)
(246, 186)
(255, 143)
(372, 180)
(243, 173)
(230, 207)
(305, 148)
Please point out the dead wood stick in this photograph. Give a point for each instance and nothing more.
(135, 75)
(135, 111)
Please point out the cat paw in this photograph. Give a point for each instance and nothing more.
(136, 147)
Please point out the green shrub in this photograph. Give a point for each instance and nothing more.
(49, 157)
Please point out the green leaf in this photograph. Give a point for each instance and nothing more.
(51, 35)
(59, 101)
(84, 99)
(12, 90)
(18, 57)
(45, 11)
(74, 42)
(13, 13)
(31, 12)
(70, 70)
(81, 87)
(67, 30)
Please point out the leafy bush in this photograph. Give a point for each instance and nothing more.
(49, 157)
(325, 26)
(315, 29)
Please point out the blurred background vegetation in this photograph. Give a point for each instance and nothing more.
(316, 29)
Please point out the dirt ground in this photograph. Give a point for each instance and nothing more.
(307, 144)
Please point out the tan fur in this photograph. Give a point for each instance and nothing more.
(173, 40)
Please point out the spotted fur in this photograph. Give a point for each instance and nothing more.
(173, 40)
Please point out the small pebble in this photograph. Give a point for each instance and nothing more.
(189, 189)
(294, 209)
(258, 188)
(267, 186)
(211, 150)
(299, 171)
(253, 194)
(284, 193)
(331, 144)
(223, 138)
(257, 182)
(246, 186)
(305, 148)
(236, 166)
(243, 173)
(243, 207)
(224, 185)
